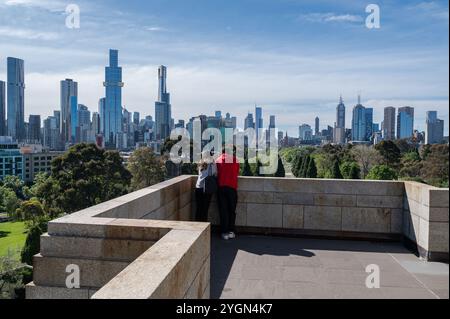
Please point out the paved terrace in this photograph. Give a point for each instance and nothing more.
(255, 267)
(144, 245)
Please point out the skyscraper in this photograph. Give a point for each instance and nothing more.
(389, 123)
(16, 92)
(369, 123)
(69, 89)
(339, 128)
(102, 111)
(51, 133)
(113, 99)
(305, 132)
(434, 129)
(34, 129)
(73, 119)
(317, 126)
(405, 122)
(136, 118)
(163, 109)
(249, 123)
(3, 130)
(359, 125)
(272, 122)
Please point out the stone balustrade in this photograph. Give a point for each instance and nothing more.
(145, 245)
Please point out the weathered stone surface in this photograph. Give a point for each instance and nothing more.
(293, 198)
(265, 215)
(380, 201)
(334, 200)
(438, 214)
(255, 197)
(51, 271)
(200, 283)
(43, 292)
(397, 221)
(374, 220)
(251, 184)
(439, 198)
(438, 237)
(322, 217)
(293, 216)
(113, 249)
(424, 233)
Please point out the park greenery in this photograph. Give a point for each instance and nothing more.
(388, 160)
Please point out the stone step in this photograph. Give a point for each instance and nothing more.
(85, 247)
(47, 292)
(51, 271)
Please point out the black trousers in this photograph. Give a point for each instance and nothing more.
(227, 199)
(203, 201)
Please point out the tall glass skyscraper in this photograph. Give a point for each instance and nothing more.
(339, 127)
(369, 123)
(69, 89)
(259, 123)
(3, 130)
(405, 122)
(113, 101)
(359, 125)
(16, 91)
(163, 109)
(389, 123)
(434, 129)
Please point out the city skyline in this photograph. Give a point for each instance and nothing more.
(405, 63)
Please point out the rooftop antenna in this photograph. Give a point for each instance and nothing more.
(359, 97)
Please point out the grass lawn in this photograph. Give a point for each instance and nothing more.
(12, 236)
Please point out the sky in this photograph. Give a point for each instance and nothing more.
(292, 57)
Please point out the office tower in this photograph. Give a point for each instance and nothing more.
(317, 126)
(15, 105)
(73, 119)
(51, 134)
(163, 111)
(272, 122)
(305, 132)
(113, 99)
(83, 124)
(359, 126)
(102, 114)
(369, 123)
(34, 129)
(136, 118)
(375, 127)
(68, 89)
(339, 128)
(95, 123)
(249, 123)
(3, 130)
(434, 129)
(389, 123)
(405, 122)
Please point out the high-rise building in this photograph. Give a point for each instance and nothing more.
(434, 129)
(305, 132)
(249, 123)
(136, 118)
(219, 114)
(3, 130)
(113, 99)
(369, 123)
(405, 122)
(389, 123)
(74, 119)
(317, 126)
(359, 125)
(84, 123)
(51, 133)
(16, 104)
(68, 89)
(102, 114)
(95, 123)
(34, 129)
(272, 122)
(339, 127)
(259, 123)
(163, 109)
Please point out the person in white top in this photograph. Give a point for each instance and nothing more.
(203, 199)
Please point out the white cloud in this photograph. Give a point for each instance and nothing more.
(28, 34)
(330, 17)
(51, 5)
(155, 29)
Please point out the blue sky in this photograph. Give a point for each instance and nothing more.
(293, 57)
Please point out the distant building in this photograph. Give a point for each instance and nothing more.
(434, 129)
(3, 130)
(68, 90)
(34, 129)
(84, 124)
(35, 163)
(339, 127)
(405, 122)
(317, 126)
(259, 123)
(272, 122)
(11, 160)
(389, 123)
(369, 123)
(136, 118)
(249, 123)
(163, 108)
(359, 124)
(51, 136)
(16, 95)
(305, 132)
(113, 99)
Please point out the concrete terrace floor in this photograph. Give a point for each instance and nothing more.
(258, 267)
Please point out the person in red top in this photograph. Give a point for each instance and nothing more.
(227, 179)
